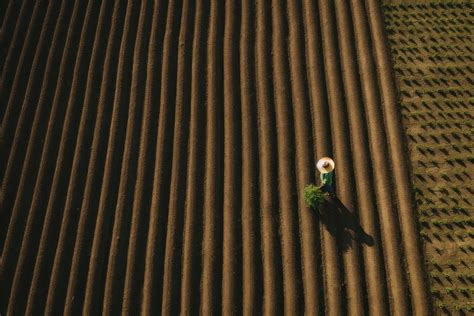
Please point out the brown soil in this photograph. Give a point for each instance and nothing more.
(155, 155)
(432, 49)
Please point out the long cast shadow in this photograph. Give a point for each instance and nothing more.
(343, 224)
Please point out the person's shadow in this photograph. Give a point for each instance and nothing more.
(343, 224)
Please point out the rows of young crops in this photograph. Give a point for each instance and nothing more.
(432, 51)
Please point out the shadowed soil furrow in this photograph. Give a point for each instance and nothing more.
(388, 220)
(323, 147)
(116, 158)
(26, 107)
(272, 271)
(27, 142)
(133, 278)
(309, 230)
(211, 292)
(52, 225)
(232, 251)
(7, 30)
(334, 284)
(79, 228)
(250, 219)
(155, 247)
(60, 165)
(286, 178)
(374, 265)
(32, 163)
(193, 220)
(156, 155)
(10, 11)
(118, 249)
(12, 93)
(5, 6)
(142, 194)
(13, 45)
(401, 178)
(342, 153)
(174, 236)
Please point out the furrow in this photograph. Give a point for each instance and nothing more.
(118, 249)
(174, 235)
(370, 240)
(51, 164)
(286, 177)
(232, 252)
(155, 154)
(5, 8)
(82, 232)
(388, 220)
(52, 227)
(251, 260)
(20, 203)
(345, 202)
(309, 228)
(272, 271)
(9, 58)
(155, 245)
(27, 113)
(8, 16)
(95, 285)
(333, 282)
(141, 198)
(212, 234)
(191, 254)
(323, 147)
(411, 243)
(12, 89)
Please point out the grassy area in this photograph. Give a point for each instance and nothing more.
(432, 48)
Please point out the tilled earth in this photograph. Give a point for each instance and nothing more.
(154, 156)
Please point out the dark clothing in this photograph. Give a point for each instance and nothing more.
(327, 182)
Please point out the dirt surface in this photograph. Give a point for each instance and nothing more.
(432, 47)
(154, 157)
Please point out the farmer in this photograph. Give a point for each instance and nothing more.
(326, 167)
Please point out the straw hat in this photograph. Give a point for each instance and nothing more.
(325, 165)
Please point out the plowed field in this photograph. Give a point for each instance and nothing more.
(154, 156)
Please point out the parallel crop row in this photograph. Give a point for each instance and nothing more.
(433, 67)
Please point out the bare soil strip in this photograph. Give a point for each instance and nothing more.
(191, 267)
(29, 12)
(34, 153)
(25, 106)
(304, 162)
(159, 165)
(114, 161)
(377, 298)
(232, 240)
(53, 176)
(250, 217)
(342, 151)
(271, 252)
(12, 92)
(400, 167)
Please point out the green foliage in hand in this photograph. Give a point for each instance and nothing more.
(313, 196)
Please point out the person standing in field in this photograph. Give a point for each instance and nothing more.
(326, 167)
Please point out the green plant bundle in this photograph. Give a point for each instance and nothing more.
(313, 196)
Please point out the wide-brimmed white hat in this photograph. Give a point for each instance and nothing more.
(325, 165)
